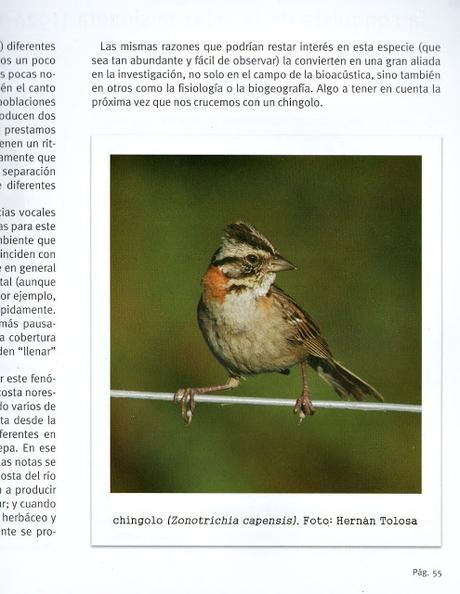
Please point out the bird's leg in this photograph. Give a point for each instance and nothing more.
(303, 406)
(186, 396)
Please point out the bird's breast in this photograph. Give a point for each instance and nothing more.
(236, 311)
(245, 333)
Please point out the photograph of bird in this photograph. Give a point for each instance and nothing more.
(252, 326)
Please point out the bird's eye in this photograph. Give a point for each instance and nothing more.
(253, 259)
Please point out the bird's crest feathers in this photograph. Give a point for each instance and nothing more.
(242, 232)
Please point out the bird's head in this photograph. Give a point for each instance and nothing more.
(248, 258)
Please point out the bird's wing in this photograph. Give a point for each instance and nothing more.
(303, 330)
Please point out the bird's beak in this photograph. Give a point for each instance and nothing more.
(279, 264)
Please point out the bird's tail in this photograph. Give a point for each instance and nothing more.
(344, 382)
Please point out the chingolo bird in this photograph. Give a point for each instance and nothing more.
(252, 326)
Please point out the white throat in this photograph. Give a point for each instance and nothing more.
(262, 289)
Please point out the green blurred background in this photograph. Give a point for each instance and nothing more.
(352, 225)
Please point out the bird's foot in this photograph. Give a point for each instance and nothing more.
(304, 407)
(186, 397)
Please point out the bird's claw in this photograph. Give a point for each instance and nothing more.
(186, 396)
(303, 407)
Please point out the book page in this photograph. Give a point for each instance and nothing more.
(227, 292)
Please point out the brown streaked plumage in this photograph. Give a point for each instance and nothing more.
(252, 326)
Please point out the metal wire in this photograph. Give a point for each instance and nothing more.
(226, 400)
